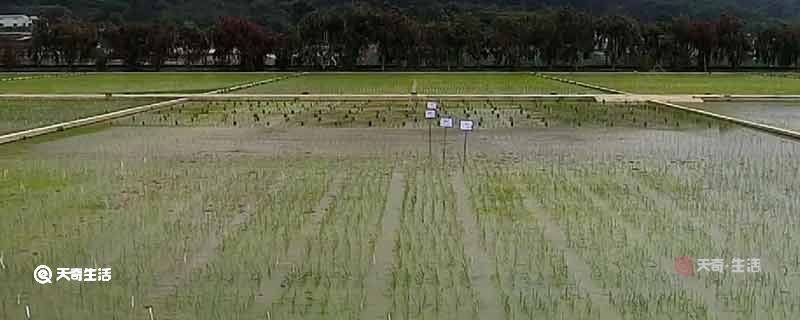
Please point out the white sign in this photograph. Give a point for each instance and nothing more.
(430, 114)
(433, 105)
(466, 125)
(446, 122)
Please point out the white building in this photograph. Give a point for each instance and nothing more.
(16, 21)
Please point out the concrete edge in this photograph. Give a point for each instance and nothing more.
(22, 135)
(581, 84)
(793, 135)
(35, 132)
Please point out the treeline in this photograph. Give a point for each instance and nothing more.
(348, 37)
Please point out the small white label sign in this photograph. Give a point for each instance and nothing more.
(433, 105)
(430, 114)
(466, 125)
(446, 122)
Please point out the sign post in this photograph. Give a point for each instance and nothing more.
(466, 127)
(445, 123)
(430, 113)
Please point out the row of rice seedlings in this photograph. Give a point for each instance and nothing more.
(430, 279)
(487, 115)
(228, 285)
(603, 235)
(533, 275)
(133, 204)
(329, 283)
(748, 190)
(751, 223)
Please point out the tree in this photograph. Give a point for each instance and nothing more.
(619, 35)
(192, 44)
(733, 42)
(74, 41)
(703, 37)
(8, 57)
(128, 42)
(243, 40)
(160, 44)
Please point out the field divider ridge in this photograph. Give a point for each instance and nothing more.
(582, 84)
(272, 288)
(480, 269)
(58, 127)
(794, 135)
(380, 272)
(253, 84)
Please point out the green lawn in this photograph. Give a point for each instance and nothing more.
(18, 114)
(165, 82)
(423, 83)
(662, 83)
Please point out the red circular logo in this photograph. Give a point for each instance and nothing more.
(684, 266)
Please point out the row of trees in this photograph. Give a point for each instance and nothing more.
(346, 37)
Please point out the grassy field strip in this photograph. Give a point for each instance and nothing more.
(295, 253)
(794, 135)
(575, 264)
(479, 264)
(377, 280)
(17, 136)
(665, 264)
(582, 84)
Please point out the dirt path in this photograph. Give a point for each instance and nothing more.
(377, 281)
(272, 288)
(578, 268)
(480, 266)
(665, 264)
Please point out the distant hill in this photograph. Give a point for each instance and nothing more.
(278, 13)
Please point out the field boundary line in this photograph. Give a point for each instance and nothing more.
(270, 289)
(253, 84)
(30, 133)
(44, 76)
(612, 98)
(581, 271)
(794, 135)
(480, 263)
(376, 281)
(582, 84)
